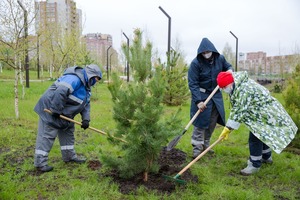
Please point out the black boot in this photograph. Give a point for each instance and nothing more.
(76, 160)
(45, 168)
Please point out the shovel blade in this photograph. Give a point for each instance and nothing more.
(173, 143)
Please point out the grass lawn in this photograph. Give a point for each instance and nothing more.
(219, 176)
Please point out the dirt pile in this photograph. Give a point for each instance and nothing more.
(171, 162)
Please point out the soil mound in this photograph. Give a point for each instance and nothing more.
(170, 162)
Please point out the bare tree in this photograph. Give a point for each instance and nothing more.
(12, 40)
(61, 49)
(228, 53)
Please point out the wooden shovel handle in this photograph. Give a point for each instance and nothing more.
(199, 111)
(199, 156)
(76, 122)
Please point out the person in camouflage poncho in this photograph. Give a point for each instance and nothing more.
(270, 125)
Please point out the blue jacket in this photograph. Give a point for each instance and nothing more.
(69, 95)
(202, 76)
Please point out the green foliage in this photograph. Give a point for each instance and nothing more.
(139, 57)
(277, 88)
(137, 111)
(292, 104)
(176, 91)
(229, 54)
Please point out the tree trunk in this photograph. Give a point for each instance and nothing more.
(145, 176)
(16, 93)
(21, 80)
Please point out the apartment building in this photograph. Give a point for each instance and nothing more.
(258, 63)
(97, 44)
(61, 14)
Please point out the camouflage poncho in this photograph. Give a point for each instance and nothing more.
(266, 118)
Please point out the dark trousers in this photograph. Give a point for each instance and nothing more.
(258, 150)
(201, 137)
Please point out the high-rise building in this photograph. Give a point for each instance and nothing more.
(61, 14)
(97, 44)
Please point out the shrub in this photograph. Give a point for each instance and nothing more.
(292, 104)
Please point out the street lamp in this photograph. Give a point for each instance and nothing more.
(169, 28)
(127, 65)
(110, 63)
(236, 50)
(107, 63)
(38, 55)
(26, 43)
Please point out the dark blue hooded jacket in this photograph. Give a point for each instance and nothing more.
(202, 76)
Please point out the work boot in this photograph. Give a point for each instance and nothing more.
(45, 168)
(206, 145)
(267, 161)
(249, 169)
(197, 150)
(211, 151)
(76, 160)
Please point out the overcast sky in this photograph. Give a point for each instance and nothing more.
(271, 26)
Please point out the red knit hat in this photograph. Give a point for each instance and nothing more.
(224, 79)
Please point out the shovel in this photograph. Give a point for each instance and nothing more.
(94, 129)
(177, 176)
(174, 142)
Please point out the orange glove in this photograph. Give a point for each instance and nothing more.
(225, 133)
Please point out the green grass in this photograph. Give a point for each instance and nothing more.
(218, 175)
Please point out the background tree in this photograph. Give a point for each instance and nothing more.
(177, 91)
(229, 54)
(63, 49)
(138, 113)
(12, 40)
(291, 97)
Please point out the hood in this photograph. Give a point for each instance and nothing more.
(91, 71)
(85, 74)
(240, 77)
(72, 70)
(206, 45)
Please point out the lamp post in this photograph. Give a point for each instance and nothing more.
(26, 43)
(169, 28)
(38, 55)
(107, 63)
(127, 65)
(236, 50)
(110, 63)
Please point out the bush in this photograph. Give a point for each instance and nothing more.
(292, 104)
(277, 88)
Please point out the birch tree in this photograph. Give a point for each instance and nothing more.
(12, 40)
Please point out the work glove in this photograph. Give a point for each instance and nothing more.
(201, 106)
(85, 124)
(56, 115)
(225, 133)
